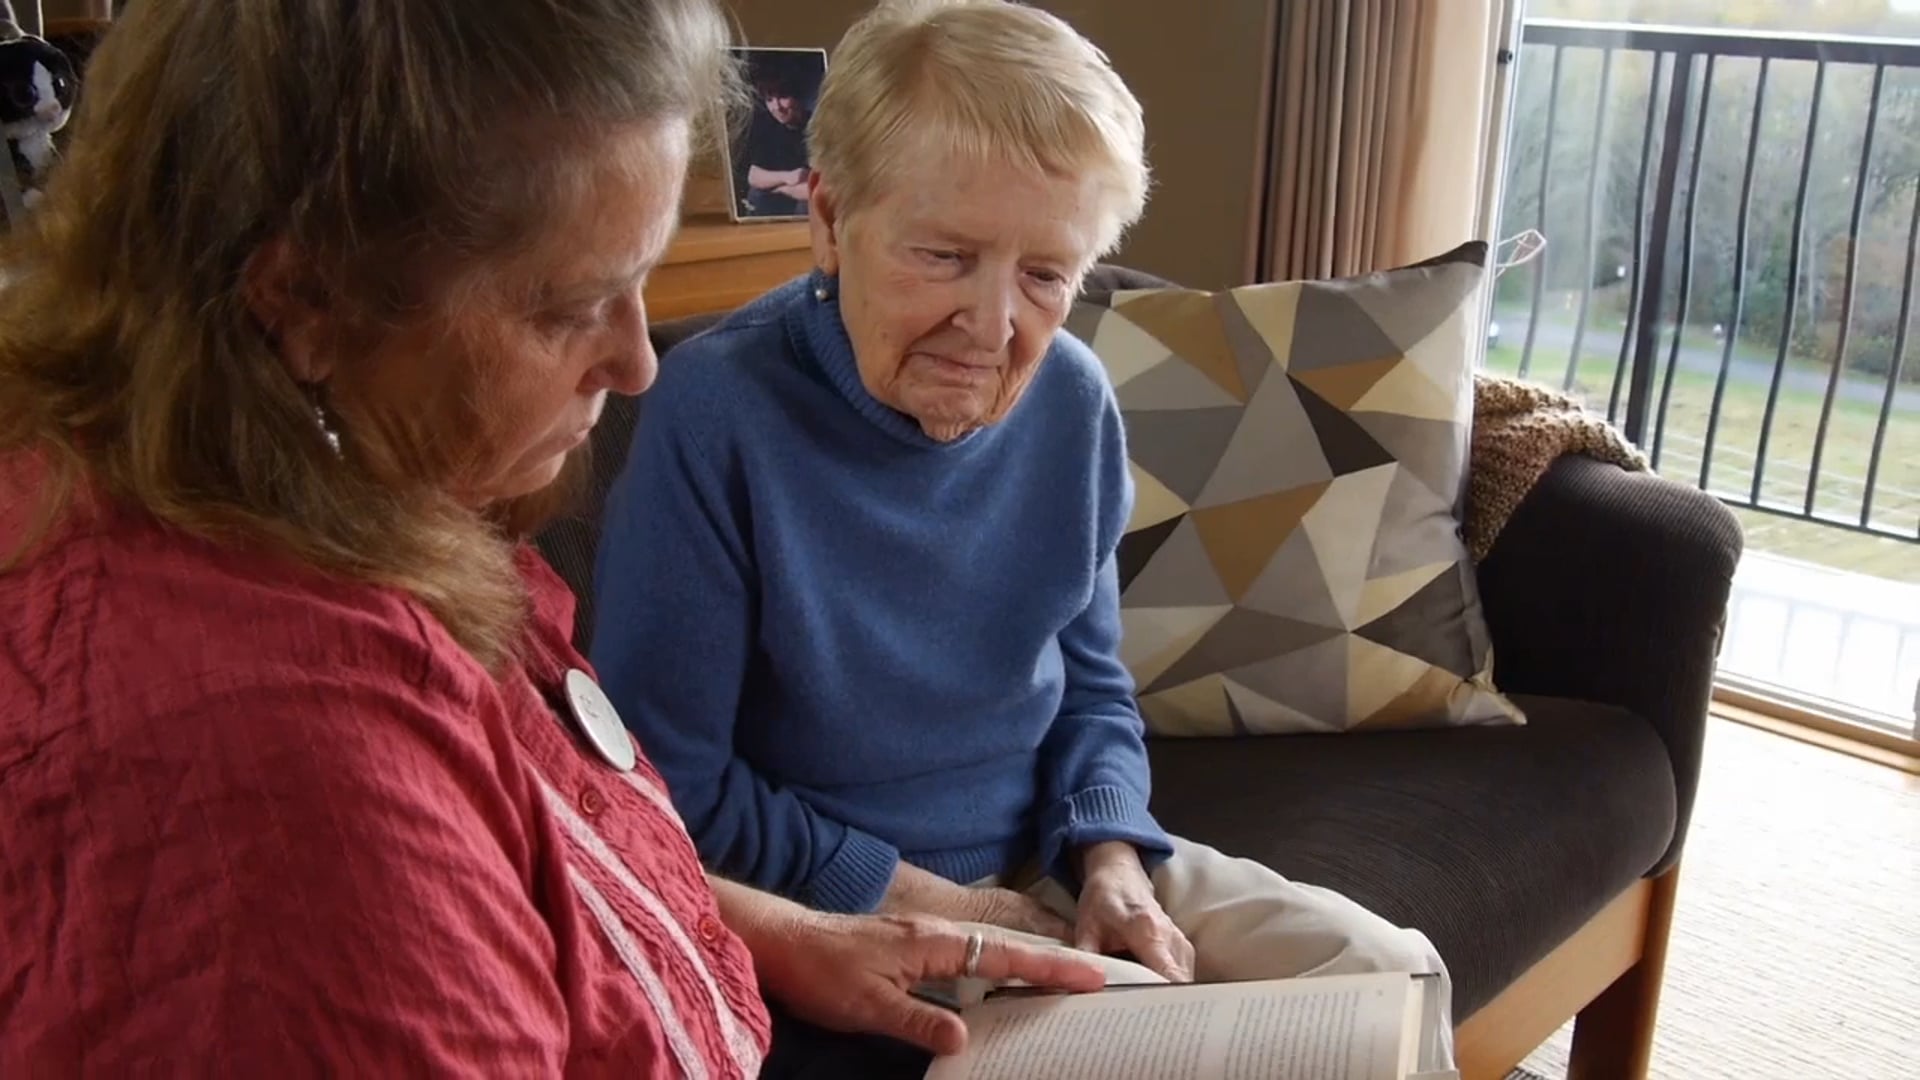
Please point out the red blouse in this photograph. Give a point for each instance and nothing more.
(261, 822)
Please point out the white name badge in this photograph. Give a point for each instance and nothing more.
(598, 721)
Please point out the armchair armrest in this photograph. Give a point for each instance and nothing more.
(1611, 586)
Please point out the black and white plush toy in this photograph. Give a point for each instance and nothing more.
(36, 98)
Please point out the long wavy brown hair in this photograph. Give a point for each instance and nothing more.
(402, 148)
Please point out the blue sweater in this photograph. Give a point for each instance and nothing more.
(844, 643)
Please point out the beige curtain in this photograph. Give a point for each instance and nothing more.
(1379, 133)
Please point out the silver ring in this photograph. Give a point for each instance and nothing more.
(976, 942)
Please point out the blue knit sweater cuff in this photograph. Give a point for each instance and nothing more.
(1094, 816)
(855, 878)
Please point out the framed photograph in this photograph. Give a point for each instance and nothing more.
(767, 155)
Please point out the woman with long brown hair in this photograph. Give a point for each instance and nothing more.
(298, 768)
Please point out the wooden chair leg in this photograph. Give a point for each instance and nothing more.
(1613, 1035)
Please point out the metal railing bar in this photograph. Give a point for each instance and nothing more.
(1685, 295)
(1639, 233)
(1820, 48)
(1593, 214)
(1848, 281)
(1787, 502)
(1791, 511)
(1684, 446)
(1741, 228)
(1793, 277)
(1546, 176)
(1647, 330)
(1759, 477)
(1893, 368)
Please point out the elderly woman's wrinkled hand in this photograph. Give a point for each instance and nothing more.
(917, 891)
(1119, 913)
(854, 973)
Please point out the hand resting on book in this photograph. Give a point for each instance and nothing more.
(1118, 913)
(854, 972)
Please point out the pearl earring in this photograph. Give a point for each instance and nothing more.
(327, 430)
(820, 293)
(332, 436)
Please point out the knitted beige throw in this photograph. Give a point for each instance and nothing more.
(1519, 430)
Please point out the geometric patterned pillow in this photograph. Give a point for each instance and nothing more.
(1294, 561)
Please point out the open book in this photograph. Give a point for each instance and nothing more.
(1337, 1027)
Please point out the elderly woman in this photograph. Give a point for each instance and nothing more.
(297, 766)
(857, 591)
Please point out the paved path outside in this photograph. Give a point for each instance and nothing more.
(1553, 343)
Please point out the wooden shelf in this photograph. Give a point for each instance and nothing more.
(704, 237)
(717, 265)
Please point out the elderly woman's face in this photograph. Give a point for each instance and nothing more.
(487, 400)
(953, 282)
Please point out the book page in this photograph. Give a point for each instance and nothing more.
(1353, 1027)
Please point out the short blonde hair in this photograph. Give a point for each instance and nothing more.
(985, 80)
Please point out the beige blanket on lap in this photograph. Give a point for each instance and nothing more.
(1519, 430)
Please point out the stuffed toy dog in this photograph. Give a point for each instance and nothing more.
(36, 98)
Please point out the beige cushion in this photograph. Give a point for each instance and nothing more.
(1299, 449)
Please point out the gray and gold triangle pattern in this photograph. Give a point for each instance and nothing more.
(1298, 451)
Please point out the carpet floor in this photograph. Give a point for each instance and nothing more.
(1796, 942)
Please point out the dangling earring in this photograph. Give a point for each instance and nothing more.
(332, 436)
(322, 420)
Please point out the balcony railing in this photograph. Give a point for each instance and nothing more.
(1696, 104)
(1732, 222)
